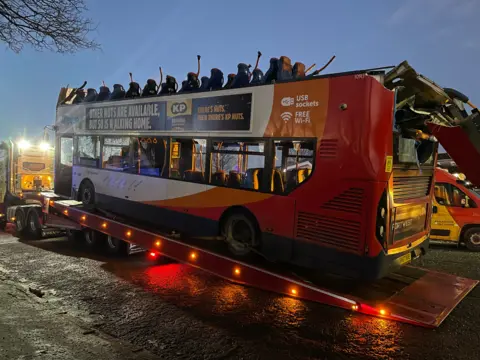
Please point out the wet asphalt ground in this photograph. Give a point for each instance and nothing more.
(178, 312)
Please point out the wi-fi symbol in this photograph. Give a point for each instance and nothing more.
(286, 116)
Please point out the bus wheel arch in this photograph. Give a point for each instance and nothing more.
(241, 230)
(86, 192)
(471, 237)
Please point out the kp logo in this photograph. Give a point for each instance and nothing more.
(288, 101)
(178, 108)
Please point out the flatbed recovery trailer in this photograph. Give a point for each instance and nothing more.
(411, 295)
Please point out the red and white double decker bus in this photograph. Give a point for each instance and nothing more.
(327, 172)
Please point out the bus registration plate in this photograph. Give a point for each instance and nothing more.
(404, 259)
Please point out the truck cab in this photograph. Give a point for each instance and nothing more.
(456, 211)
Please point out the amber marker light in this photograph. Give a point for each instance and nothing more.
(293, 291)
(65, 212)
(383, 312)
(104, 225)
(83, 218)
(355, 307)
(237, 271)
(158, 243)
(193, 256)
(51, 202)
(128, 233)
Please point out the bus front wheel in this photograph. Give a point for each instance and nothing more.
(240, 234)
(87, 193)
(472, 239)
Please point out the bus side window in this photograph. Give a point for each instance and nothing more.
(87, 151)
(187, 159)
(149, 154)
(238, 164)
(292, 164)
(116, 153)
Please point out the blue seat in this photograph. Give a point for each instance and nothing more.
(170, 86)
(118, 92)
(91, 95)
(229, 83)
(104, 93)
(243, 76)
(216, 79)
(204, 85)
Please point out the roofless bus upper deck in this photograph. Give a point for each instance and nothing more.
(316, 171)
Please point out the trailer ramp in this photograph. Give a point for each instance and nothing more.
(411, 295)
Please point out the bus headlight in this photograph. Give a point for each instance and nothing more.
(44, 146)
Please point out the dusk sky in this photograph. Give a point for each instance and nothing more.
(440, 38)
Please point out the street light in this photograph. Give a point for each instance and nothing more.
(23, 144)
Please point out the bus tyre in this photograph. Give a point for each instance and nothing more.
(93, 239)
(19, 223)
(117, 246)
(240, 234)
(33, 225)
(472, 239)
(87, 193)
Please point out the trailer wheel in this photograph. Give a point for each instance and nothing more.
(472, 239)
(117, 246)
(87, 193)
(19, 223)
(33, 226)
(240, 234)
(74, 236)
(93, 239)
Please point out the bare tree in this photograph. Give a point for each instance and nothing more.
(55, 25)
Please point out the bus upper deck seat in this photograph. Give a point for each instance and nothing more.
(229, 83)
(216, 79)
(170, 86)
(242, 78)
(191, 175)
(191, 84)
(298, 70)
(219, 178)
(271, 74)
(184, 86)
(284, 69)
(234, 179)
(150, 88)
(257, 77)
(118, 92)
(104, 93)
(133, 91)
(204, 85)
(91, 95)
